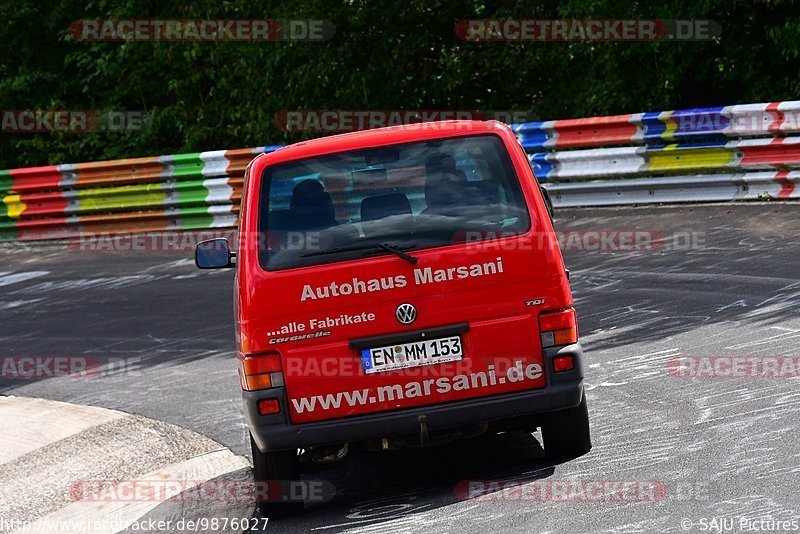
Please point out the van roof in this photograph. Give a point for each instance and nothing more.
(391, 135)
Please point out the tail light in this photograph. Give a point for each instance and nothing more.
(261, 371)
(558, 327)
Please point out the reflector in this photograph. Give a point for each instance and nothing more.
(563, 363)
(268, 406)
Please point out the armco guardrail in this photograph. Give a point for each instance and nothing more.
(711, 154)
(694, 155)
(182, 192)
(720, 123)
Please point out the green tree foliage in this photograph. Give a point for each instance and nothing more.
(385, 55)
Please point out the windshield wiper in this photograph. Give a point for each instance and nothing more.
(399, 253)
(372, 246)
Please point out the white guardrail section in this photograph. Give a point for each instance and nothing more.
(671, 189)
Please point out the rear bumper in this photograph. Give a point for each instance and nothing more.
(275, 432)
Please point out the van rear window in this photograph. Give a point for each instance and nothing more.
(409, 197)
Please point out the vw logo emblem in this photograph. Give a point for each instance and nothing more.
(406, 314)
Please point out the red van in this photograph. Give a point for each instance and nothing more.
(399, 287)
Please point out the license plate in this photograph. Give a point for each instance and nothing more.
(405, 355)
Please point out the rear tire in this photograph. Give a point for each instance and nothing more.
(566, 432)
(278, 471)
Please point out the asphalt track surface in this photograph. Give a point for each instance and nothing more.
(724, 280)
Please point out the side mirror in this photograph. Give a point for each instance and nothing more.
(547, 200)
(213, 254)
